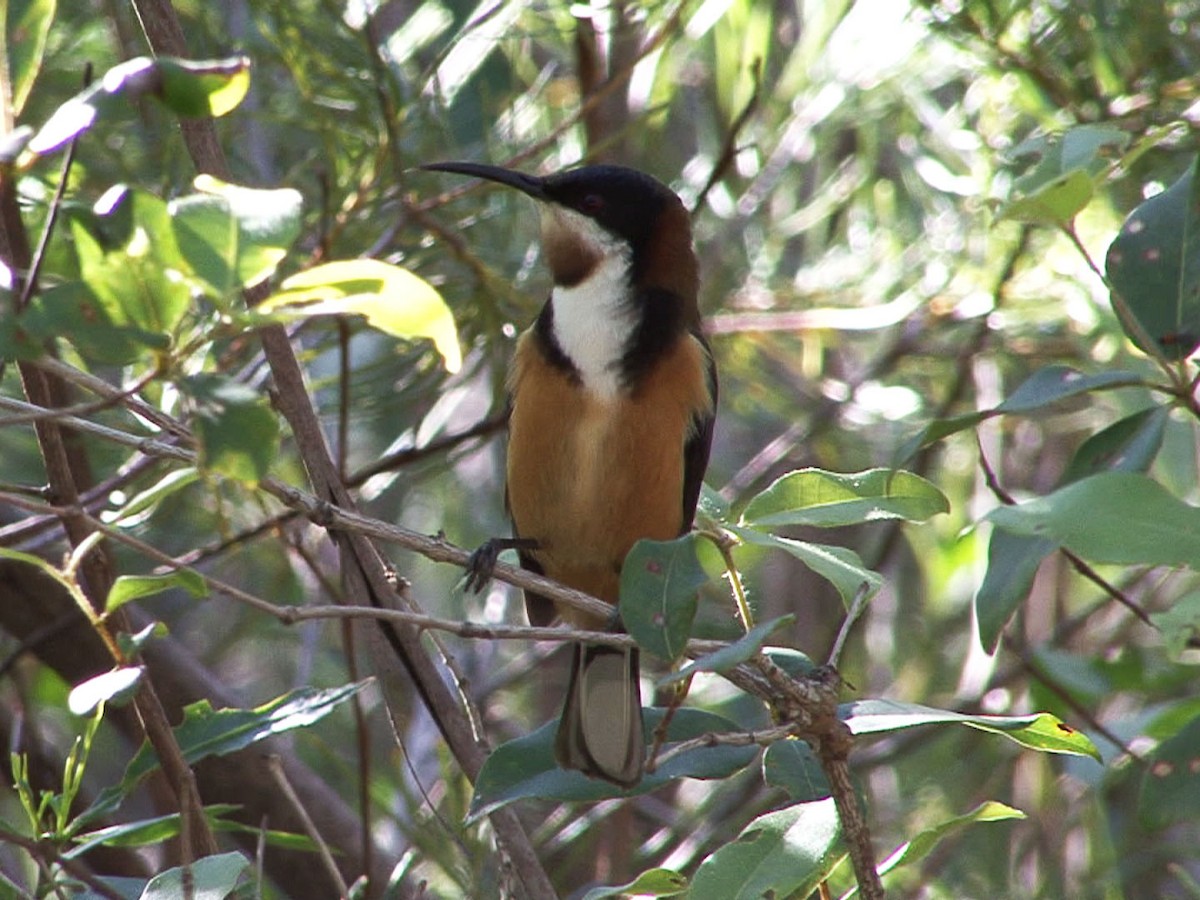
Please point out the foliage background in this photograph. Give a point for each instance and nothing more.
(843, 159)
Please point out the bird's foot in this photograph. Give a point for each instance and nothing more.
(482, 563)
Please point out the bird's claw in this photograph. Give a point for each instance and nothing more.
(481, 564)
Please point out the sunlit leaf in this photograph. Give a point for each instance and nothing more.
(26, 29)
(1040, 731)
(652, 883)
(113, 687)
(1063, 178)
(827, 499)
(134, 587)
(786, 853)
(391, 299)
(211, 87)
(840, 566)
(267, 221)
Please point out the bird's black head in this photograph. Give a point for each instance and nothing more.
(636, 214)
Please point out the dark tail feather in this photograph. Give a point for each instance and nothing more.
(600, 732)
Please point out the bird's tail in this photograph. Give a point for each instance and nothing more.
(600, 733)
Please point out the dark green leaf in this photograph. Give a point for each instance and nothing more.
(210, 87)
(826, 499)
(1113, 517)
(1127, 445)
(73, 312)
(792, 766)
(838, 565)
(1041, 731)
(132, 644)
(938, 429)
(525, 768)
(726, 658)
(1171, 785)
(786, 853)
(1154, 270)
(659, 581)
(1013, 561)
(237, 430)
(153, 832)
(1056, 383)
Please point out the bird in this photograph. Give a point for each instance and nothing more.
(612, 399)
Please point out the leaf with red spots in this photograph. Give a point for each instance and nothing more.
(659, 582)
(1154, 271)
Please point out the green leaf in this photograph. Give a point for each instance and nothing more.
(392, 299)
(826, 499)
(1040, 731)
(1171, 785)
(116, 687)
(1114, 517)
(268, 222)
(786, 853)
(524, 768)
(651, 883)
(1056, 383)
(659, 581)
(1063, 178)
(727, 657)
(838, 565)
(72, 312)
(153, 832)
(792, 766)
(134, 511)
(208, 239)
(206, 732)
(26, 29)
(1128, 445)
(212, 878)
(1153, 268)
(938, 429)
(142, 281)
(927, 840)
(236, 428)
(1179, 625)
(187, 87)
(134, 587)
(210, 87)
(1013, 561)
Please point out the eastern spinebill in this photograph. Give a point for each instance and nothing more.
(613, 393)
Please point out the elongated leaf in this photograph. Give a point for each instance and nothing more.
(26, 30)
(153, 832)
(525, 767)
(1113, 517)
(792, 766)
(116, 686)
(727, 657)
(1040, 731)
(188, 87)
(133, 587)
(1013, 561)
(133, 511)
(1180, 625)
(1153, 268)
(838, 565)
(652, 883)
(781, 854)
(391, 299)
(938, 429)
(826, 499)
(659, 581)
(926, 841)
(1056, 383)
(1127, 445)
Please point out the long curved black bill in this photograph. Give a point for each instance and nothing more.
(526, 184)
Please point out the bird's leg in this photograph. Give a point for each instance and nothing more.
(482, 563)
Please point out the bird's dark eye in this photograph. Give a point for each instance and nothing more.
(591, 204)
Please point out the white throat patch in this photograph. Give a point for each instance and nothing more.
(593, 319)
